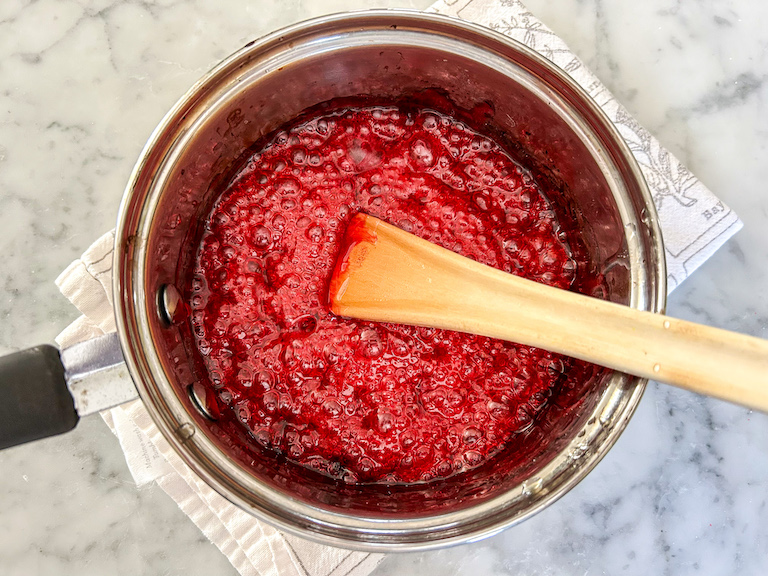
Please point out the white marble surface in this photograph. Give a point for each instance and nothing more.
(82, 84)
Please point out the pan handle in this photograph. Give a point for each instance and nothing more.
(35, 401)
(44, 392)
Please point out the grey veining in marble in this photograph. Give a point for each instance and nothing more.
(83, 83)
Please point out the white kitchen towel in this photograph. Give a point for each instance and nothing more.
(694, 225)
(253, 548)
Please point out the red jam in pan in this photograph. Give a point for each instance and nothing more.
(359, 401)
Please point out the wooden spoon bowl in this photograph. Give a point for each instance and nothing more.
(385, 274)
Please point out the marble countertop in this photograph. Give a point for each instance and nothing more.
(83, 83)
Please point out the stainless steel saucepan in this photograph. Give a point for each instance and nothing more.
(536, 108)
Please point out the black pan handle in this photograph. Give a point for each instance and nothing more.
(34, 399)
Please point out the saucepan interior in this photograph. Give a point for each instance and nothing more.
(534, 109)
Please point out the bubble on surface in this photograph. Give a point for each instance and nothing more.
(269, 401)
(225, 396)
(332, 407)
(265, 380)
(243, 412)
(422, 154)
(299, 156)
(370, 344)
(315, 233)
(472, 458)
(471, 435)
(286, 186)
(430, 122)
(261, 237)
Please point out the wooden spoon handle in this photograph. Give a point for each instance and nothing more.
(388, 275)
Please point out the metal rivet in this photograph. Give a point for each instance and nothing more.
(185, 431)
(532, 486)
(169, 304)
(199, 399)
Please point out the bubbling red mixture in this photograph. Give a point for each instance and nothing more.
(362, 401)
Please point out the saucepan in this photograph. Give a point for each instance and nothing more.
(536, 110)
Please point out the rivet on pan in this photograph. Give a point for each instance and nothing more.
(532, 486)
(185, 431)
(199, 399)
(169, 305)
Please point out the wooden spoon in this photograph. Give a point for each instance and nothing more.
(385, 274)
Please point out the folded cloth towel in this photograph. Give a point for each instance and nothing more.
(254, 548)
(694, 225)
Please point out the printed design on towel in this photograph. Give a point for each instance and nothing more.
(694, 221)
